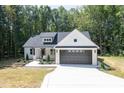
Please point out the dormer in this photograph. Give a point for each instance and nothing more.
(47, 39)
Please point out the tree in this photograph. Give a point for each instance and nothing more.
(18, 23)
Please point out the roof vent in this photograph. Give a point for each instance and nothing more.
(75, 40)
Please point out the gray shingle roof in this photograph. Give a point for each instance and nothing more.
(36, 41)
(61, 35)
(47, 34)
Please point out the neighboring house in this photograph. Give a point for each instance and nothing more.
(63, 47)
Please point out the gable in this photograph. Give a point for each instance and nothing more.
(75, 35)
(36, 41)
(62, 35)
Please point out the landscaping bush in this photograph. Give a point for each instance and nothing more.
(26, 61)
(41, 61)
(48, 58)
(102, 66)
(44, 58)
(18, 60)
(47, 61)
(50, 62)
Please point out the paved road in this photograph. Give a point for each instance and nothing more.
(79, 76)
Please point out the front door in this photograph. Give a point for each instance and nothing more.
(43, 52)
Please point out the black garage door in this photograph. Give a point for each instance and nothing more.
(75, 57)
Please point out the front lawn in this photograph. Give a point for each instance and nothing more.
(22, 77)
(117, 63)
(14, 75)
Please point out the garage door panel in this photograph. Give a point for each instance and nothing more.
(75, 57)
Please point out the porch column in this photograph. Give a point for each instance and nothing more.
(57, 56)
(94, 56)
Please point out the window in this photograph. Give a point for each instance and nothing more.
(77, 51)
(80, 51)
(69, 51)
(73, 51)
(75, 40)
(32, 51)
(47, 39)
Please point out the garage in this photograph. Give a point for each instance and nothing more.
(76, 48)
(75, 56)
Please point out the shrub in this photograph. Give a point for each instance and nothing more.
(18, 60)
(48, 58)
(41, 61)
(102, 66)
(44, 58)
(50, 62)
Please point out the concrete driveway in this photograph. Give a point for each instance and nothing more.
(79, 76)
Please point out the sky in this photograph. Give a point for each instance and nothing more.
(68, 7)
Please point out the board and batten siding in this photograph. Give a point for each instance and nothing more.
(82, 40)
(37, 53)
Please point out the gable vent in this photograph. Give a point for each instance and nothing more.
(75, 40)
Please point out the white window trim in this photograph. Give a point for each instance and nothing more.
(32, 51)
(46, 40)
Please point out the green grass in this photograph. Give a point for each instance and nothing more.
(117, 63)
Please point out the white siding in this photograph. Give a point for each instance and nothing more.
(94, 57)
(81, 40)
(57, 58)
(27, 52)
(37, 53)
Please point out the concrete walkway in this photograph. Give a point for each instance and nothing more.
(77, 76)
(36, 63)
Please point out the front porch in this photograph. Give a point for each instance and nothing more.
(43, 55)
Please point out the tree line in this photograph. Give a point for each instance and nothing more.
(104, 23)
